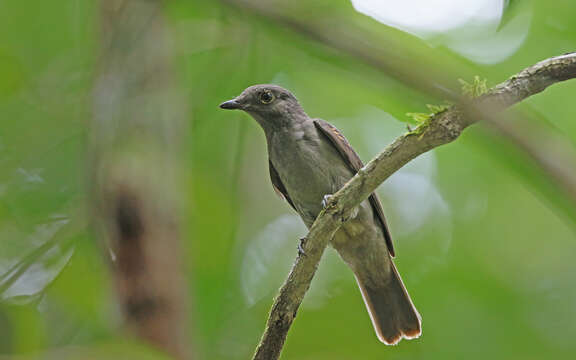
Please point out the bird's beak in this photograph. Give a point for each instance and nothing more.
(231, 105)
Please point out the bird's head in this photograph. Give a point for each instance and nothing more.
(270, 105)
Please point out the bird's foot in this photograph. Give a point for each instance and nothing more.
(325, 200)
(301, 246)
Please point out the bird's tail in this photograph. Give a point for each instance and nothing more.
(392, 312)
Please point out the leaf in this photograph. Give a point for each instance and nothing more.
(419, 118)
(436, 109)
(509, 8)
(477, 88)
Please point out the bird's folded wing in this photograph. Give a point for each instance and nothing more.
(354, 163)
(278, 186)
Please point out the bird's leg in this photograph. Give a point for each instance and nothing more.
(301, 246)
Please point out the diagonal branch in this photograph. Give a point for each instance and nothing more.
(391, 52)
(442, 128)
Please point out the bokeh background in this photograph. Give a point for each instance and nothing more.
(484, 241)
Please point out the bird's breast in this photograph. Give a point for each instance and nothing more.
(309, 168)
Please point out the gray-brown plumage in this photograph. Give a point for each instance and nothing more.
(309, 159)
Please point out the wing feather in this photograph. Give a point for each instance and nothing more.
(354, 163)
(277, 184)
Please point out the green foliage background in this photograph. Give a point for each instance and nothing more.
(489, 264)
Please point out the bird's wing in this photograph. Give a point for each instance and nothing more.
(354, 163)
(278, 186)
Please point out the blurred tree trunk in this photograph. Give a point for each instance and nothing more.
(135, 137)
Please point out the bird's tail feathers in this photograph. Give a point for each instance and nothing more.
(392, 312)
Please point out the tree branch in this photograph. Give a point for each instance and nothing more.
(442, 128)
(393, 52)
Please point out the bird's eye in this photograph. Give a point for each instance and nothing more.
(266, 97)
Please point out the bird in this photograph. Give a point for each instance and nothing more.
(309, 159)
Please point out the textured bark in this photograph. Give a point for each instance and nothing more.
(135, 135)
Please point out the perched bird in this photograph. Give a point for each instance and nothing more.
(310, 159)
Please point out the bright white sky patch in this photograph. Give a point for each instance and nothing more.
(422, 17)
(466, 26)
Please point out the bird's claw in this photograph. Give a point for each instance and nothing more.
(325, 200)
(301, 246)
